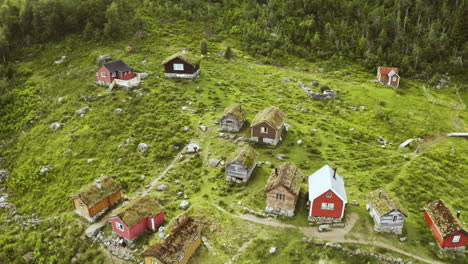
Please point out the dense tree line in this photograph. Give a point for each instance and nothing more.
(416, 35)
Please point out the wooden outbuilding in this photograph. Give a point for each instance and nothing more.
(267, 126)
(182, 65)
(93, 200)
(135, 217)
(388, 76)
(283, 189)
(242, 165)
(233, 118)
(387, 216)
(449, 232)
(327, 195)
(178, 247)
(114, 70)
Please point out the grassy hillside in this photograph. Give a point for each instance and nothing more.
(341, 133)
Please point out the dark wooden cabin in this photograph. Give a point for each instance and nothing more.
(267, 126)
(182, 65)
(233, 118)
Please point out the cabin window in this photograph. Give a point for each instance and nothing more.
(394, 79)
(264, 130)
(328, 206)
(81, 205)
(178, 67)
(119, 226)
(456, 239)
(329, 195)
(103, 74)
(280, 197)
(154, 262)
(395, 218)
(228, 121)
(181, 257)
(113, 74)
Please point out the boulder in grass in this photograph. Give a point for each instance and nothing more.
(55, 126)
(143, 147)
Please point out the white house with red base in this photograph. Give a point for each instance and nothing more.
(327, 196)
(388, 76)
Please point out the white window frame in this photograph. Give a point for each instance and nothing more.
(154, 262)
(393, 79)
(456, 239)
(328, 206)
(329, 195)
(181, 257)
(103, 74)
(119, 226)
(264, 130)
(81, 205)
(178, 67)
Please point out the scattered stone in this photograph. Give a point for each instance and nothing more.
(354, 202)
(3, 175)
(299, 142)
(219, 83)
(83, 110)
(89, 160)
(203, 128)
(28, 256)
(431, 244)
(453, 150)
(214, 163)
(59, 61)
(315, 83)
(184, 204)
(268, 164)
(403, 239)
(281, 157)
(143, 75)
(186, 128)
(143, 147)
(192, 147)
(60, 99)
(184, 108)
(382, 140)
(162, 187)
(327, 94)
(180, 194)
(351, 129)
(118, 110)
(339, 225)
(324, 228)
(45, 169)
(272, 250)
(55, 126)
(320, 70)
(119, 160)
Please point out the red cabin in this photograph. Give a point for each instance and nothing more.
(137, 216)
(446, 228)
(114, 70)
(388, 76)
(327, 195)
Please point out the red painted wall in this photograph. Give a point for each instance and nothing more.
(447, 242)
(316, 206)
(125, 233)
(140, 227)
(434, 229)
(127, 76)
(104, 79)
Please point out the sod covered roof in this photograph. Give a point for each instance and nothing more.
(382, 202)
(272, 115)
(91, 194)
(247, 156)
(187, 57)
(236, 110)
(443, 218)
(137, 209)
(181, 237)
(286, 175)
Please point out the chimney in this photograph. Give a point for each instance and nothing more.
(240, 107)
(334, 173)
(458, 214)
(98, 184)
(276, 171)
(184, 51)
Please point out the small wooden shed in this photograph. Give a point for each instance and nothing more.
(178, 247)
(93, 200)
(135, 217)
(283, 189)
(388, 76)
(233, 118)
(242, 165)
(182, 65)
(387, 216)
(267, 126)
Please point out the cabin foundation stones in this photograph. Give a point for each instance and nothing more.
(327, 94)
(241, 166)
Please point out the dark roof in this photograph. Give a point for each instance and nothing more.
(272, 115)
(185, 56)
(382, 202)
(286, 175)
(117, 66)
(236, 110)
(386, 70)
(91, 194)
(443, 219)
(247, 156)
(137, 209)
(176, 243)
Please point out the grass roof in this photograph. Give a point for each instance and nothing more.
(176, 243)
(272, 115)
(187, 56)
(382, 202)
(137, 209)
(286, 175)
(236, 110)
(91, 194)
(246, 156)
(443, 218)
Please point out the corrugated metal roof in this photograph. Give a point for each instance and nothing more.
(323, 180)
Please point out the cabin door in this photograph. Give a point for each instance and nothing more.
(260, 139)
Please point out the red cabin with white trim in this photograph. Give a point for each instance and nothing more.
(114, 70)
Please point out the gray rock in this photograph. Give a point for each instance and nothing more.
(320, 70)
(219, 83)
(184, 108)
(203, 128)
(60, 99)
(45, 169)
(118, 110)
(324, 228)
(180, 194)
(382, 140)
(186, 128)
(272, 250)
(281, 157)
(184, 204)
(55, 126)
(28, 256)
(354, 202)
(268, 164)
(143, 147)
(192, 147)
(3, 175)
(144, 75)
(83, 110)
(299, 142)
(403, 239)
(162, 187)
(214, 162)
(315, 83)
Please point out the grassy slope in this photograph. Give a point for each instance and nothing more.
(156, 118)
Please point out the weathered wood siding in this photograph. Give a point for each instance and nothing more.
(394, 83)
(188, 68)
(289, 202)
(385, 223)
(271, 132)
(105, 203)
(83, 209)
(196, 242)
(237, 170)
(230, 124)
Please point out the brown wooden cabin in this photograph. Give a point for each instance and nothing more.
(267, 126)
(182, 65)
(283, 189)
(93, 200)
(388, 76)
(233, 118)
(241, 166)
(178, 247)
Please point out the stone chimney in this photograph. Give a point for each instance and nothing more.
(458, 214)
(98, 184)
(184, 51)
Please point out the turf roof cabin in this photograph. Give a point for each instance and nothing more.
(447, 229)
(233, 118)
(267, 126)
(178, 247)
(114, 70)
(242, 165)
(283, 189)
(135, 217)
(93, 200)
(182, 65)
(386, 214)
(388, 76)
